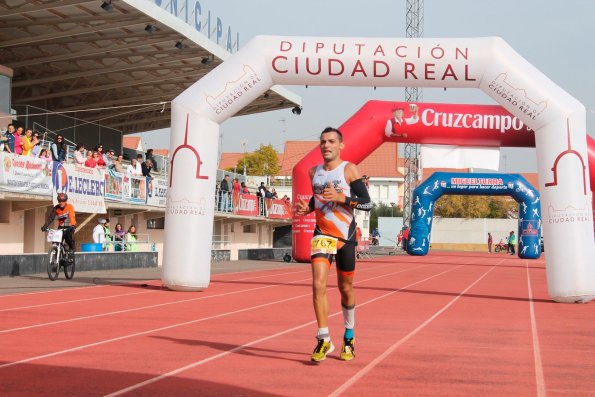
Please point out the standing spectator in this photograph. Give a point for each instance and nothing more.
(274, 194)
(29, 142)
(130, 239)
(37, 148)
(405, 238)
(109, 158)
(134, 168)
(512, 243)
(119, 234)
(79, 157)
(399, 238)
(490, 241)
(108, 235)
(244, 189)
(139, 158)
(91, 161)
(100, 157)
(45, 155)
(146, 168)
(99, 149)
(99, 232)
(8, 139)
(224, 194)
(18, 141)
(358, 234)
(117, 164)
(236, 186)
(58, 149)
(149, 156)
(375, 236)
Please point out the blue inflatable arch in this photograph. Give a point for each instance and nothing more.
(440, 183)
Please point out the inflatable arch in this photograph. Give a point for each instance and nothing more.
(485, 63)
(441, 183)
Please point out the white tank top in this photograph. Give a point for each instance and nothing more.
(332, 219)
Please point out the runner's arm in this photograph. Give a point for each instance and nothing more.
(50, 219)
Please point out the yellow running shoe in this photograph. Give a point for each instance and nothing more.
(321, 350)
(348, 350)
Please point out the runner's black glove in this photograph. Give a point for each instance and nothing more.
(44, 228)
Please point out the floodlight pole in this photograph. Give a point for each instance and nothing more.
(414, 29)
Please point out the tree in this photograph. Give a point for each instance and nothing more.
(380, 210)
(457, 206)
(263, 161)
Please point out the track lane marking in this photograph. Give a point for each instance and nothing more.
(539, 377)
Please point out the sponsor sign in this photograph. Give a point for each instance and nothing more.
(278, 209)
(114, 186)
(137, 190)
(247, 204)
(157, 192)
(25, 174)
(85, 187)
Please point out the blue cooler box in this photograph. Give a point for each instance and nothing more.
(91, 247)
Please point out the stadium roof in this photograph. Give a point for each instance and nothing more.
(75, 55)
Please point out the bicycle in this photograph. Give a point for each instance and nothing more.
(58, 256)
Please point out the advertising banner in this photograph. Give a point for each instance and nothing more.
(114, 186)
(137, 191)
(25, 174)
(157, 192)
(278, 209)
(85, 186)
(247, 204)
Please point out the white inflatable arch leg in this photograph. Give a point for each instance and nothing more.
(485, 63)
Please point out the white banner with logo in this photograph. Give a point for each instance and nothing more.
(446, 156)
(157, 192)
(85, 187)
(25, 174)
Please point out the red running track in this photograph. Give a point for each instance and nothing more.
(447, 324)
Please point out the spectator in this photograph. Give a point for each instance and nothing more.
(79, 157)
(58, 149)
(45, 155)
(119, 238)
(99, 149)
(512, 242)
(405, 238)
(274, 194)
(399, 238)
(358, 234)
(262, 190)
(139, 158)
(108, 235)
(224, 194)
(244, 189)
(29, 142)
(130, 239)
(100, 157)
(149, 156)
(18, 141)
(99, 232)
(236, 186)
(490, 241)
(146, 168)
(109, 159)
(37, 148)
(8, 139)
(91, 161)
(134, 168)
(117, 164)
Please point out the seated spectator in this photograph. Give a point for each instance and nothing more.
(92, 157)
(134, 168)
(28, 142)
(244, 189)
(45, 155)
(79, 157)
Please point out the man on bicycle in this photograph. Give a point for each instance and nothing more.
(66, 219)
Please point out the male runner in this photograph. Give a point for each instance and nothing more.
(338, 189)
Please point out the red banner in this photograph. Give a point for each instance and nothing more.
(245, 204)
(278, 209)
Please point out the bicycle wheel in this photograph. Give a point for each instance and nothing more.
(69, 265)
(53, 263)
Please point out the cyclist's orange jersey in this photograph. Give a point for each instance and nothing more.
(66, 216)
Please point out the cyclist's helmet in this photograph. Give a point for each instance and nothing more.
(62, 197)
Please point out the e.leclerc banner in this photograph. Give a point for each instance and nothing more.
(25, 174)
(85, 187)
(278, 209)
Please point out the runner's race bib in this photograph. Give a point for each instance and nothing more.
(324, 245)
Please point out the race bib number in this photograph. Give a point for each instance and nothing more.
(324, 245)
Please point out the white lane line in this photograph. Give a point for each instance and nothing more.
(4, 331)
(403, 340)
(539, 378)
(235, 349)
(74, 301)
(35, 358)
